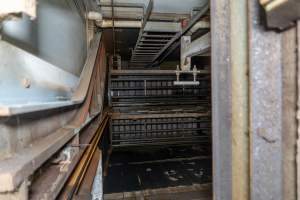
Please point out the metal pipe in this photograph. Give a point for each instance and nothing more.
(123, 5)
(119, 24)
(107, 23)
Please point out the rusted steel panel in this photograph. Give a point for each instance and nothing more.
(265, 69)
(289, 120)
(298, 111)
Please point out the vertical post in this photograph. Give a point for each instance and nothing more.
(289, 113)
(240, 115)
(221, 99)
(185, 62)
(298, 111)
(265, 92)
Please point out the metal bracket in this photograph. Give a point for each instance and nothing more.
(194, 72)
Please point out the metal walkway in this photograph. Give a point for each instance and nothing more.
(153, 41)
(149, 45)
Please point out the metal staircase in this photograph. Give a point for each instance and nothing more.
(154, 42)
(149, 45)
(151, 41)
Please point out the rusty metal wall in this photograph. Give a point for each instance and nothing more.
(289, 120)
(298, 111)
(268, 157)
(265, 71)
(273, 57)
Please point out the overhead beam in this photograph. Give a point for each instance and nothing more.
(136, 13)
(163, 26)
(184, 31)
(197, 47)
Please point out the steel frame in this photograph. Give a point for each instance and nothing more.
(249, 104)
(52, 132)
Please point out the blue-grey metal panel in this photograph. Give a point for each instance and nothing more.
(57, 35)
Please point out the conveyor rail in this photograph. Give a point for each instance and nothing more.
(148, 109)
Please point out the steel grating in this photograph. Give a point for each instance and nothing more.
(148, 109)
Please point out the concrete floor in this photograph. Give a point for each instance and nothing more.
(194, 192)
(165, 173)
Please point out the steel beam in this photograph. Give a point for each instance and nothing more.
(190, 49)
(197, 47)
(163, 27)
(221, 99)
(265, 67)
(48, 79)
(289, 123)
(240, 98)
(298, 111)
